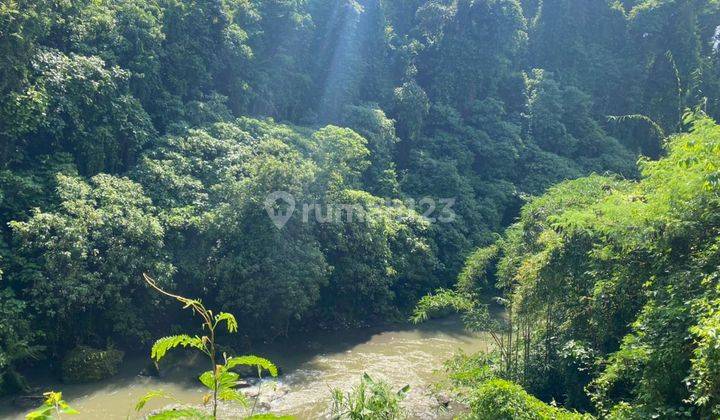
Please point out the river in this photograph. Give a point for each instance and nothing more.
(312, 366)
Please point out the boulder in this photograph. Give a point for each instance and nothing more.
(86, 364)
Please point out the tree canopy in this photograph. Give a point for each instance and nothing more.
(146, 137)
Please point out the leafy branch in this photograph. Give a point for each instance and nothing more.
(220, 379)
(53, 408)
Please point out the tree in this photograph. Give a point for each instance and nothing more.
(380, 177)
(81, 261)
(53, 114)
(608, 287)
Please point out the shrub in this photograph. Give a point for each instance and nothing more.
(499, 399)
(86, 364)
(53, 408)
(370, 400)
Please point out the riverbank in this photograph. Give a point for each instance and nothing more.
(312, 366)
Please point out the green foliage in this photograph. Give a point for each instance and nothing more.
(253, 361)
(222, 383)
(229, 319)
(126, 146)
(609, 287)
(381, 261)
(102, 134)
(412, 107)
(52, 409)
(465, 373)
(220, 380)
(16, 342)
(499, 399)
(85, 364)
(81, 261)
(151, 395)
(560, 121)
(474, 381)
(379, 131)
(429, 306)
(706, 359)
(475, 276)
(181, 413)
(371, 399)
(163, 345)
(203, 180)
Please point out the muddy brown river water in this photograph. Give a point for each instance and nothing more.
(311, 368)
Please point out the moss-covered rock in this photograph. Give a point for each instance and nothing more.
(86, 364)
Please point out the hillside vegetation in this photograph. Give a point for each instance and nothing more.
(146, 136)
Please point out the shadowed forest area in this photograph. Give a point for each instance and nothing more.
(573, 142)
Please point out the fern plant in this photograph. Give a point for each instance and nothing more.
(53, 408)
(370, 400)
(220, 380)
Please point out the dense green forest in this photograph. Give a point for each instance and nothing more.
(144, 136)
(612, 289)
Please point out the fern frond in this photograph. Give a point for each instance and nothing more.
(256, 361)
(163, 345)
(232, 324)
(151, 395)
